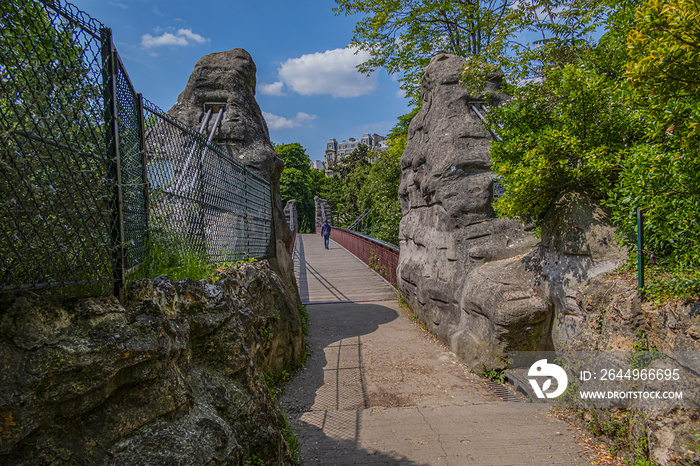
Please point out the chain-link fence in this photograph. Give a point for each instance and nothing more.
(74, 170)
(201, 196)
(57, 186)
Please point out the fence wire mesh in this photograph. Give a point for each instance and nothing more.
(57, 194)
(73, 193)
(130, 179)
(201, 196)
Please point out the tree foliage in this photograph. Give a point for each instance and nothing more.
(294, 156)
(380, 192)
(599, 119)
(332, 189)
(664, 183)
(569, 131)
(403, 35)
(352, 173)
(55, 191)
(664, 67)
(295, 182)
(515, 36)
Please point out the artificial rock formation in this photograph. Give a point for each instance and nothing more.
(449, 228)
(478, 281)
(229, 77)
(290, 213)
(175, 377)
(323, 211)
(486, 286)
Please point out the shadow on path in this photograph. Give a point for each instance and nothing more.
(306, 269)
(326, 399)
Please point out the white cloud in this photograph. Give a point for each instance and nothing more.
(331, 72)
(183, 38)
(278, 122)
(192, 36)
(118, 5)
(271, 89)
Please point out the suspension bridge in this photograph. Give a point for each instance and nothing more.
(377, 389)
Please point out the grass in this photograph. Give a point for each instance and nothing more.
(304, 314)
(253, 460)
(178, 259)
(494, 375)
(291, 439)
(375, 264)
(175, 259)
(275, 385)
(664, 281)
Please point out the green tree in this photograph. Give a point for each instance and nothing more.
(664, 66)
(380, 192)
(295, 182)
(569, 131)
(662, 177)
(518, 37)
(356, 160)
(403, 35)
(352, 172)
(664, 182)
(316, 180)
(294, 156)
(333, 190)
(584, 126)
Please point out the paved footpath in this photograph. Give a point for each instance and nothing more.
(377, 389)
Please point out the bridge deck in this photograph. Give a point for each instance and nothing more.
(335, 275)
(377, 389)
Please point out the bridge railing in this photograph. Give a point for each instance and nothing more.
(381, 257)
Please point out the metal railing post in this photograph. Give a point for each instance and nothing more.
(200, 198)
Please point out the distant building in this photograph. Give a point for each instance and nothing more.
(317, 165)
(336, 151)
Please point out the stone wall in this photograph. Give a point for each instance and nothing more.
(175, 377)
(614, 318)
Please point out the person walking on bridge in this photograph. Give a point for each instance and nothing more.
(326, 232)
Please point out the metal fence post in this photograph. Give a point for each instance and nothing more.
(200, 198)
(112, 135)
(246, 227)
(272, 241)
(146, 185)
(640, 250)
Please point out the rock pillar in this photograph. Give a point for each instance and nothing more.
(229, 77)
(323, 211)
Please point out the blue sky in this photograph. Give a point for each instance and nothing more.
(308, 87)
